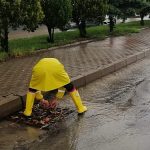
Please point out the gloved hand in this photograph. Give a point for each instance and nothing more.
(53, 103)
(44, 103)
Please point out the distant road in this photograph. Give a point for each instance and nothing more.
(133, 19)
(42, 30)
(19, 33)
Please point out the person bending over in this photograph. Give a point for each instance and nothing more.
(47, 75)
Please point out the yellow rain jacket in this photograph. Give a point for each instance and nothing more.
(48, 74)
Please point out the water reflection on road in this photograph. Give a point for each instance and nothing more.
(118, 117)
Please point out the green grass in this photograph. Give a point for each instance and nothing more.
(26, 46)
(99, 32)
(3, 56)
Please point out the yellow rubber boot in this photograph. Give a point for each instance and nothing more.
(77, 101)
(60, 93)
(29, 103)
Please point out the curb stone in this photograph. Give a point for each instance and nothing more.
(9, 105)
(64, 46)
(13, 103)
(67, 45)
(92, 75)
(75, 43)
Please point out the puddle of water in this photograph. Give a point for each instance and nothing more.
(121, 123)
(11, 133)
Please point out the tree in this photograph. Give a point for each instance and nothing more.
(144, 12)
(127, 8)
(87, 9)
(9, 14)
(143, 8)
(31, 14)
(113, 12)
(121, 8)
(57, 14)
(14, 13)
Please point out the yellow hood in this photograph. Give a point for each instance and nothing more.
(48, 74)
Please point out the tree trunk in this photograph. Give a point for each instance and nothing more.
(51, 34)
(82, 28)
(111, 24)
(0, 40)
(142, 20)
(4, 40)
(124, 19)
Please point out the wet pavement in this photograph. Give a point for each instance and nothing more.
(11, 134)
(118, 117)
(78, 60)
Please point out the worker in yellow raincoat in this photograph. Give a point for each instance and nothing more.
(49, 74)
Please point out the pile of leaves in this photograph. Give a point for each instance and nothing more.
(41, 117)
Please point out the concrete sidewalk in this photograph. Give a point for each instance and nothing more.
(84, 62)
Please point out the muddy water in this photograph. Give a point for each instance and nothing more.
(118, 117)
(15, 136)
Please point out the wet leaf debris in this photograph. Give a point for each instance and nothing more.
(41, 117)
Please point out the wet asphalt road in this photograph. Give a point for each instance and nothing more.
(118, 116)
